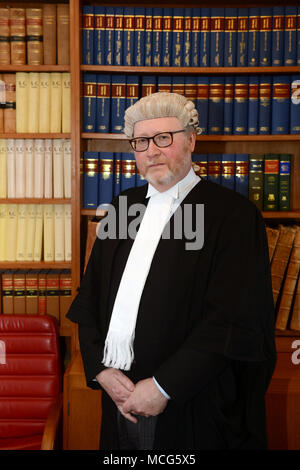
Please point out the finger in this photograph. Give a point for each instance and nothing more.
(128, 415)
(125, 381)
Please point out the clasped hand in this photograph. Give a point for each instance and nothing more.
(142, 398)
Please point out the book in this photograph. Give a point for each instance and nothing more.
(48, 165)
(271, 182)
(11, 168)
(11, 232)
(56, 101)
(217, 37)
(22, 85)
(205, 37)
(3, 220)
(90, 180)
(272, 236)
(119, 46)
(39, 167)
(253, 36)
(242, 174)
(240, 105)
(65, 297)
(58, 168)
(10, 105)
(139, 36)
(298, 35)
(281, 104)
(118, 90)
(281, 257)
(109, 35)
(20, 168)
(177, 37)
(157, 35)
(190, 88)
(99, 35)
(132, 90)
(34, 36)
(128, 50)
(67, 167)
(200, 165)
(256, 179)
(30, 232)
(29, 168)
(230, 37)
(68, 232)
(19, 292)
(89, 101)
(3, 169)
(264, 107)
(66, 102)
(295, 105)
(278, 35)
(164, 83)
(178, 84)
(42, 276)
(44, 102)
(228, 104)
(228, 171)
(38, 236)
(105, 178)
(148, 36)
(187, 37)
(102, 103)
(87, 34)
(48, 231)
(290, 36)
(20, 254)
(265, 39)
(202, 102)
(284, 181)
(52, 293)
(195, 38)
(31, 292)
(59, 232)
(117, 173)
(7, 292)
(242, 37)
(33, 102)
(216, 105)
(127, 171)
(4, 33)
(17, 36)
(253, 104)
(63, 34)
(214, 167)
(49, 33)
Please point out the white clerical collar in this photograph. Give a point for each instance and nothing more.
(178, 188)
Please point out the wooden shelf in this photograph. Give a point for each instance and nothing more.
(207, 138)
(35, 264)
(35, 135)
(35, 200)
(34, 68)
(189, 70)
(288, 333)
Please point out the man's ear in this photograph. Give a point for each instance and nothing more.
(192, 138)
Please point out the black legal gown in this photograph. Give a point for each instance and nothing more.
(205, 326)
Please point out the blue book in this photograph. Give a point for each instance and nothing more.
(87, 34)
(264, 109)
(298, 36)
(216, 105)
(118, 101)
(190, 88)
(240, 105)
(199, 164)
(242, 38)
(177, 37)
(205, 37)
(148, 85)
(253, 105)
(99, 35)
(290, 36)
(127, 171)
(178, 84)
(167, 37)
(164, 83)
(295, 105)
(265, 37)
(90, 180)
(217, 37)
(253, 36)
(202, 102)
(119, 36)
(109, 36)
(128, 50)
(281, 104)
(148, 37)
(132, 90)
(187, 37)
(106, 178)
(278, 36)
(139, 36)
(214, 165)
(117, 173)
(230, 37)
(228, 104)
(242, 174)
(89, 101)
(103, 103)
(157, 36)
(228, 171)
(195, 44)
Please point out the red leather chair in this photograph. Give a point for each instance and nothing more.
(30, 382)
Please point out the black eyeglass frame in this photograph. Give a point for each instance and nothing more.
(131, 141)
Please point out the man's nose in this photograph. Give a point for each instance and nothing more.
(152, 150)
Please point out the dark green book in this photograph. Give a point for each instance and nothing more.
(256, 179)
(271, 182)
(284, 182)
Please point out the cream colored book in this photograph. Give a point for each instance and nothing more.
(55, 103)
(48, 232)
(58, 168)
(30, 233)
(44, 102)
(48, 190)
(20, 168)
(3, 220)
(11, 168)
(11, 232)
(33, 102)
(29, 163)
(21, 232)
(66, 102)
(3, 169)
(68, 232)
(38, 236)
(59, 232)
(22, 86)
(67, 167)
(39, 170)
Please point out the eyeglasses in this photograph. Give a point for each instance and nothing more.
(162, 139)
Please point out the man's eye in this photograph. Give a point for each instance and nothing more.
(141, 141)
(162, 137)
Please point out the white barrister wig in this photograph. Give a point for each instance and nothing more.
(162, 104)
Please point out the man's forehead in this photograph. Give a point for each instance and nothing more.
(156, 122)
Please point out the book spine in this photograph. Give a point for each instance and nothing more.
(190, 88)
(298, 35)
(217, 37)
(33, 101)
(139, 36)
(214, 168)
(195, 45)
(242, 174)
(118, 100)
(242, 38)
(240, 107)
(216, 105)
(44, 102)
(7, 292)
(271, 182)
(11, 168)
(68, 232)
(103, 103)
(42, 292)
(120, 35)
(65, 298)
(281, 104)
(10, 105)
(284, 181)
(56, 102)
(157, 36)
(22, 83)
(29, 165)
(67, 167)
(59, 232)
(202, 103)
(228, 104)
(31, 292)
(253, 36)
(128, 58)
(105, 179)
(48, 169)
(34, 36)
(87, 34)
(99, 35)
(20, 168)
(18, 36)
(109, 35)
(132, 90)
(148, 37)
(52, 293)
(11, 232)
(265, 39)
(295, 105)
(117, 173)
(48, 231)
(200, 165)
(256, 180)
(230, 37)
(90, 180)
(264, 116)
(21, 232)
(19, 292)
(39, 168)
(3, 169)
(290, 35)
(167, 37)
(187, 37)
(4, 37)
(148, 85)
(177, 39)
(178, 85)
(127, 171)
(66, 102)
(278, 36)
(49, 33)
(63, 34)
(228, 171)
(205, 37)
(38, 236)
(164, 83)
(89, 102)
(58, 168)
(253, 105)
